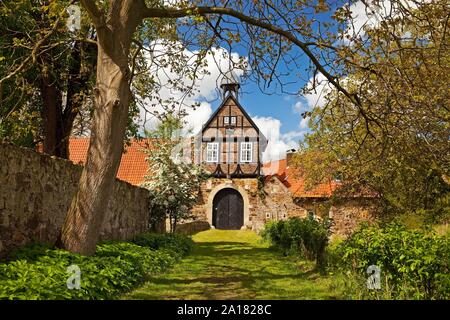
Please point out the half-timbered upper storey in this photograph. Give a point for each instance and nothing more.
(230, 143)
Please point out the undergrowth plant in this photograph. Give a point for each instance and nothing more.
(40, 272)
(306, 237)
(414, 264)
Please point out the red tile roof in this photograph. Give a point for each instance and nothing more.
(133, 166)
(292, 178)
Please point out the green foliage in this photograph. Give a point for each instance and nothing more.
(60, 62)
(396, 142)
(414, 263)
(175, 242)
(307, 237)
(66, 61)
(438, 215)
(40, 272)
(146, 259)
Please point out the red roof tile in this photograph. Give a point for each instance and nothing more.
(133, 166)
(292, 178)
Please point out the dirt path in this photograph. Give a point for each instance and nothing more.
(236, 265)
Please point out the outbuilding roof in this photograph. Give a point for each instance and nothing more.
(295, 182)
(133, 166)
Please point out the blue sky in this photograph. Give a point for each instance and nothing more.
(280, 107)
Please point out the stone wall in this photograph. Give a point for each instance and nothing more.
(277, 203)
(190, 228)
(36, 191)
(347, 213)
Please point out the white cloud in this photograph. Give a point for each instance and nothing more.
(298, 107)
(314, 97)
(362, 17)
(278, 143)
(304, 123)
(292, 135)
(171, 3)
(196, 118)
(292, 138)
(370, 16)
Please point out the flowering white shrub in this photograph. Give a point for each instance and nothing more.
(174, 184)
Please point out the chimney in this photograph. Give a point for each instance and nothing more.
(289, 155)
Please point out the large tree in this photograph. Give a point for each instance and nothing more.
(116, 25)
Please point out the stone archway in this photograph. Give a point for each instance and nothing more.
(228, 210)
(216, 190)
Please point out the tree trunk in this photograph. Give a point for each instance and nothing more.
(170, 222)
(175, 221)
(78, 86)
(51, 110)
(112, 98)
(58, 124)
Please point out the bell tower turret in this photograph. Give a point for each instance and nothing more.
(230, 84)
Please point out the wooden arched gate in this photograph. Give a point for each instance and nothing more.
(228, 210)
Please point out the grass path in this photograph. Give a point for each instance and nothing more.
(236, 265)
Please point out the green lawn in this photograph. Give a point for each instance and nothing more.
(237, 265)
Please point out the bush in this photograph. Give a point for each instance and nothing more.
(175, 242)
(414, 263)
(40, 272)
(147, 259)
(306, 237)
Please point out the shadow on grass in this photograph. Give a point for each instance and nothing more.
(235, 270)
(232, 277)
(237, 265)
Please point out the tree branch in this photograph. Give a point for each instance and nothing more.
(35, 51)
(104, 33)
(179, 13)
(97, 17)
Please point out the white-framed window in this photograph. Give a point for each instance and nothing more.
(226, 120)
(246, 151)
(212, 152)
(233, 120)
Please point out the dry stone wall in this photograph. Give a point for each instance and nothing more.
(192, 227)
(348, 214)
(36, 191)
